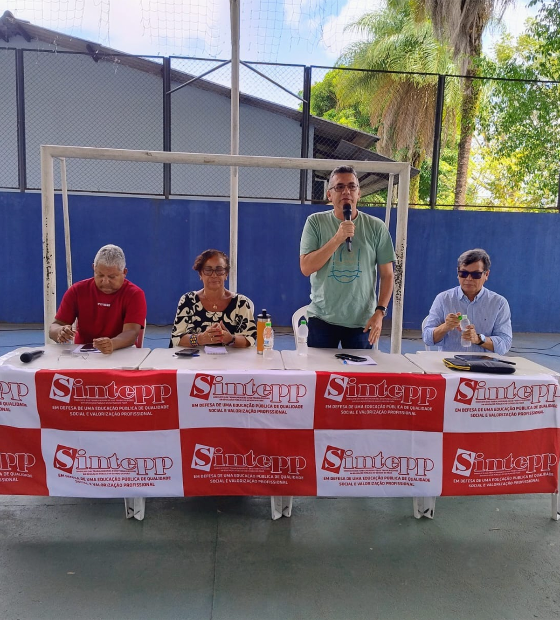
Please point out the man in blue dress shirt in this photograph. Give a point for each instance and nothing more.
(488, 313)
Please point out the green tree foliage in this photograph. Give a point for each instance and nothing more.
(517, 161)
(462, 24)
(399, 90)
(324, 103)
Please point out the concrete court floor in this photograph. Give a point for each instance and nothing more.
(222, 558)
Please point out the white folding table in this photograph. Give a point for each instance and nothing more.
(61, 356)
(324, 359)
(431, 362)
(234, 359)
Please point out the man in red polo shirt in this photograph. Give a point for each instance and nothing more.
(109, 309)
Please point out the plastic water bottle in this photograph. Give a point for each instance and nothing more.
(464, 323)
(268, 336)
(262, 318)
(302, 333)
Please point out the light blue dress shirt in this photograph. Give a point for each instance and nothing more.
(488, 312)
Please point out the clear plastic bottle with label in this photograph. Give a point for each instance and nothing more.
(463, 324)
(302, 333)
(268, 336)
(262, 318)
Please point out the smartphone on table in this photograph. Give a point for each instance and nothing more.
(350, 358)
(88, 347)
(187, 353)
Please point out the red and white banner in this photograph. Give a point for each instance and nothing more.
(235, 461)
(391, 401)
(245, 399)
(97, 400)
(22, 468)
(18, 401)
(98, 464)
(489, 403)
(495, 463)
(380, 463)
(96, 433)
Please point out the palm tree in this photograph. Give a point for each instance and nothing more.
(401, 103)
(462, 23)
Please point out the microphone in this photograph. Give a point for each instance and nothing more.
(347, 211)
(29, 357)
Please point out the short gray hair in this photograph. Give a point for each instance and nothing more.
(343, 170)
(473, 256)
(110, 256)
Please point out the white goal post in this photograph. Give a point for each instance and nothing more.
(51, 152)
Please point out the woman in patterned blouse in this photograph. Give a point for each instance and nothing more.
(213, 315)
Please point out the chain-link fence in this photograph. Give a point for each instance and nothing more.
(501, 152)
(8, 120)
(70, 99)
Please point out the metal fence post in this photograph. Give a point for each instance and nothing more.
(20, 111)
(303, 175)
(166, 124)
(437, 141)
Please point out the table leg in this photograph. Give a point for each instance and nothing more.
(135, 507)
(281, 506)
(424, 507)
(555, 512)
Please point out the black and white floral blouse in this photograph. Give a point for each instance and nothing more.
(193, 318)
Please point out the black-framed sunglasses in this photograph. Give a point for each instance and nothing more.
(475, 275)
(219, 271)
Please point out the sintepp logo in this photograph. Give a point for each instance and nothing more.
(16, 461)
(205, 386)
(61, 388)
(337, 459)
(12, 390)
(206, 458)
(468, 463)
(465, 391)
(76, 460)
(65, 388)
(470, 390)
(354, 388)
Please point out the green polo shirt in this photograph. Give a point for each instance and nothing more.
(343, 290)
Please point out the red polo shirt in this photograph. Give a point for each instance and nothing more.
(100, 314)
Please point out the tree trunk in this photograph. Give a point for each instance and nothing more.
(471, 95)
(418, 156)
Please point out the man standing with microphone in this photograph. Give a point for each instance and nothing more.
(342, 250)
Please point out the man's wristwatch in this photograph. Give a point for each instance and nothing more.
(482, 339)
(382, 308)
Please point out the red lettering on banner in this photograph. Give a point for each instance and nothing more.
(332, 461)
(11, 390)
(480, 392)
(205, 386)
(465, 391)
(64, 458)
(337, 459)
(72, 460)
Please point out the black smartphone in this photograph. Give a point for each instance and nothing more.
(473, 358)
(350, 358)
(88, 347)
(186, 352)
